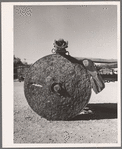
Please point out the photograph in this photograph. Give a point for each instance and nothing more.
(61, 66)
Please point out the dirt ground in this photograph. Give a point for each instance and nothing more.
(96, 124)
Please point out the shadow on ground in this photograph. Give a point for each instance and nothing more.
(98, 111)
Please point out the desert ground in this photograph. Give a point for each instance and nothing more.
(97, 123)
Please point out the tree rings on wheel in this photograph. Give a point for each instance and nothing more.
(56, 88)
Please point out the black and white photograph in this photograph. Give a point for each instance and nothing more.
(61, 74)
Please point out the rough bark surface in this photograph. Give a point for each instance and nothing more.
(38, 88)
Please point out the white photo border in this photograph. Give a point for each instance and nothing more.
(7, 74)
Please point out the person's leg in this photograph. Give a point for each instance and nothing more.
(95, 79)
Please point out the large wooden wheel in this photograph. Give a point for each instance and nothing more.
(56, 88)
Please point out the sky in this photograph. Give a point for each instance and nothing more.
(91, 30)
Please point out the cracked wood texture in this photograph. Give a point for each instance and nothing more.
(73, 80)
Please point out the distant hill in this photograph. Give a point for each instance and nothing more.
(106, 65)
